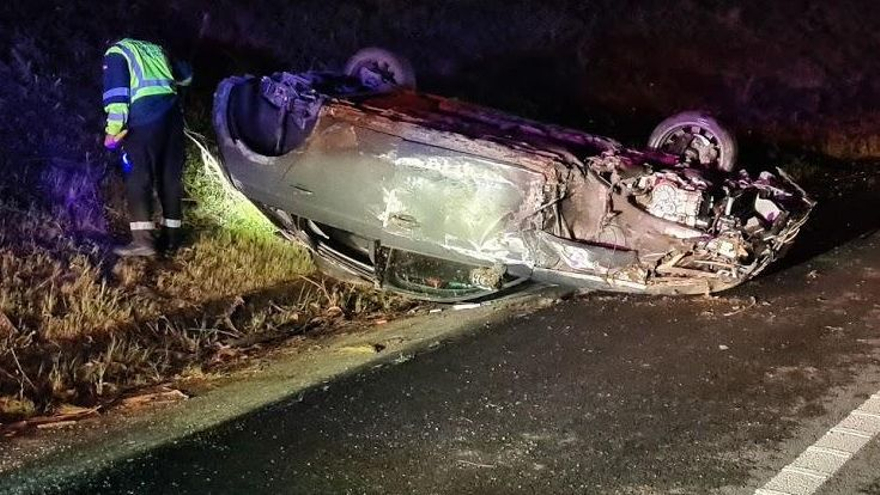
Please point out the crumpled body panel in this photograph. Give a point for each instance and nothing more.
(429, 175)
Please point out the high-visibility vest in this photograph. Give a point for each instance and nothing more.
(148, 67)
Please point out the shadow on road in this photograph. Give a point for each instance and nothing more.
(848, 202)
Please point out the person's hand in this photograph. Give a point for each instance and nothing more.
(111, 141)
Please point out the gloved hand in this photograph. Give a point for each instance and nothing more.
(111, 142)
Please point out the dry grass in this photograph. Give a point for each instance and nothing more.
(78, 326)
(75, 328)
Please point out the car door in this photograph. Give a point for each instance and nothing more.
(412, 195)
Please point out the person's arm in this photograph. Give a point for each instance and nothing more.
(117, 93)
(183, 73)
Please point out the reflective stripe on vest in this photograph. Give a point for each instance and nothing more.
(113, 93)
(148, 68)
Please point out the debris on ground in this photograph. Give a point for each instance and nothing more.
(741, 308)
(66, 415)
(363, 349)
(162, 395)
(463, 306)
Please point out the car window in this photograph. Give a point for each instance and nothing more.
(439, 279)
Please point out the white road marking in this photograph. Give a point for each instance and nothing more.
(821, 461)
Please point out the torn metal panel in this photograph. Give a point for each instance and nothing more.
(578, 256)
(414, 130)
(464, 203)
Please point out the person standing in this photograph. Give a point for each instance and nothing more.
(145, 119)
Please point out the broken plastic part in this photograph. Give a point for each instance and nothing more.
(767, 209)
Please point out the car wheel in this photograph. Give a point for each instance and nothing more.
(698, 139)
(381, 70)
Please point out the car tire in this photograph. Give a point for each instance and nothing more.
(381, 69)
(716, 146)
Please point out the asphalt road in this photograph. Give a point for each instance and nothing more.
(599, 394)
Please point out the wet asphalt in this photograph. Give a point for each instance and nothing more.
(599, 394)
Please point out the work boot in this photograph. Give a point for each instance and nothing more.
(172, 239)
(141, 245)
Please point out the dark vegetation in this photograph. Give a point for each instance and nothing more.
(76, 326)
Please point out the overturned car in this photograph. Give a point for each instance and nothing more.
(449, 201)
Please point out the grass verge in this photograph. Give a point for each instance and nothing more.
(79, 327)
